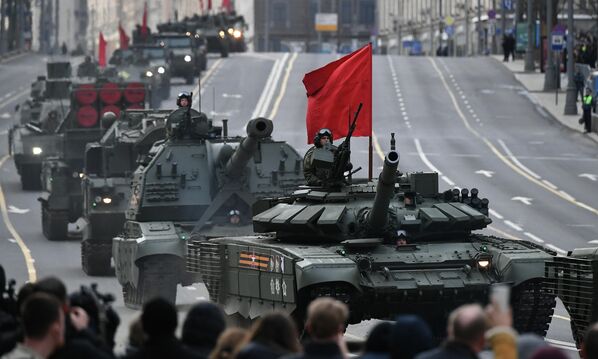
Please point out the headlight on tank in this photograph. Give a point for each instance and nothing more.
(231, 30)
(484, 261)
(149, 74)
(78, 174)
(161, 70)
(37, 151)
(221, 34)
(187, 58)
(237, 34)
(106, 200)
(484, 264)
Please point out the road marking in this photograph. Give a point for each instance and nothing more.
(377, 146)
(283, 86)
(504, 234)
(589, 176)
(11, 240)
(513, 225)
(203, 80)
(267, 93)
(524, 200)
(233, 95)
(568, 319)
(486, 173)
(5, 115)
(534, 238)
(498, 154)
(562, 344)
(427, 162)
(14, 97)
(549, 184)
(514, 159)
(29, 262)
(594, 241)
(16, 210)
(557, 249)
(493, 213)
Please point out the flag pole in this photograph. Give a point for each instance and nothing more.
(370, 159)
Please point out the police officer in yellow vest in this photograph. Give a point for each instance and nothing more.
(587, 105)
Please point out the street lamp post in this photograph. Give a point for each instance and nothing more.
(467, 28)
(570, 105)
(550, 75)
(479, 28)
(529, 53)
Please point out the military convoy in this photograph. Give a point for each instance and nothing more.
(62, 198)
(109, 165)
(33, 139)
(200, 181)
(186, 54)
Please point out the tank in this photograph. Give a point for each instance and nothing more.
(33, 138)
(186, 53)
(148, 64)
(392, 246)
(201, 181)
(109, 166)
(61, 199)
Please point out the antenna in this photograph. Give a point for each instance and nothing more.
(199, 92)
(214, 102)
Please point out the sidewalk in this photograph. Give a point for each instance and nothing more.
(534, 83)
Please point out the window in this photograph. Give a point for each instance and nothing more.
(280, 14)
(346, 12)
(367, 12)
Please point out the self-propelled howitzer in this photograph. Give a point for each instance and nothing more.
(395, 246)
(200, 182)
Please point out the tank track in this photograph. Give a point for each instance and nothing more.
(533, 307)
(95, 258)
(204, 258)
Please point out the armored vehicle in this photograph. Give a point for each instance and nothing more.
(199, 181)
(146, 63)
(62, 198)
(34, 139)
(392, 246)
(186, 54)
(109, 165)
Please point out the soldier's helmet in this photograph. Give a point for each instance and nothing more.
(323, 132)
(181, 96)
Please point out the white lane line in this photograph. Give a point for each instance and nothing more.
(556, 316)
(556, 249)
(519, 164)
(561, 343)
(266, 96)
(549, 184)
(533, 237)
(513, 225)
(493, 213)
(283, 86)
(427, 162)
(565, 194)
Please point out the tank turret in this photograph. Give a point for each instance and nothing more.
(378, 216)
(257, 129)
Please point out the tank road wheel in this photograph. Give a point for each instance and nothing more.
(532, 307)
(95, 258)
(158, 277)
(54, 224)
(31, 178)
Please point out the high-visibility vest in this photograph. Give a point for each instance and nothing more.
(587, 100)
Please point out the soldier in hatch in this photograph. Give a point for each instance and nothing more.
(313, 175)
(87, 68)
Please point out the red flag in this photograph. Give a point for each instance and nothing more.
(144, 29)
(201, 7)
(124, 39)
(227, 5)
(209, 5)
(335, 89)
(102, 51)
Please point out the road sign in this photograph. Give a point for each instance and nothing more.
(557, 38)
(449, 20)
(449, 30)
(491, 14)
(326, 21)
(507, 4)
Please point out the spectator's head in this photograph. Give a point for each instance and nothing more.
(24, 292)
(55, 287)
(43, 322)
(549, 353)
(467, 324)
(326, 319)
(528, 344)
(277, 331)
(203, 325)
(590, 343)
(378, 340)
(228, 343)
(136, 334)
(410, 336)
(159, 319)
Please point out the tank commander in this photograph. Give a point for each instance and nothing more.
(87, 68)
(314, 175)
(234, 217)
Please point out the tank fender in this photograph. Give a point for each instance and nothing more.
(338, 269)
(517, 266)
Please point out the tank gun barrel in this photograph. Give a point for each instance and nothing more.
(384, 191)
(257, 129)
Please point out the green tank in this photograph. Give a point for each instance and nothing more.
(33, 139)
(109, 166)
(200, 181)
(392, 246)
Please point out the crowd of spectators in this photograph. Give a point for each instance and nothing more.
(51, 327)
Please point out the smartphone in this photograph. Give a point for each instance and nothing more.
(501, 294)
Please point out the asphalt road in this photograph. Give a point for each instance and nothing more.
(467, 118)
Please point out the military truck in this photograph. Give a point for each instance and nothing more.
(109, 165)
(201, 180)
(33, 139)
(186, 54)
(392, 246)
(148, 64)
(62, 199)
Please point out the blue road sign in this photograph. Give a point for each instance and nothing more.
(450, 30)
(557, 38)
(507, 4)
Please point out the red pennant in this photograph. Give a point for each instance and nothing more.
(335, 89)
(102, 51)
(124, 39)
(144, 29)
